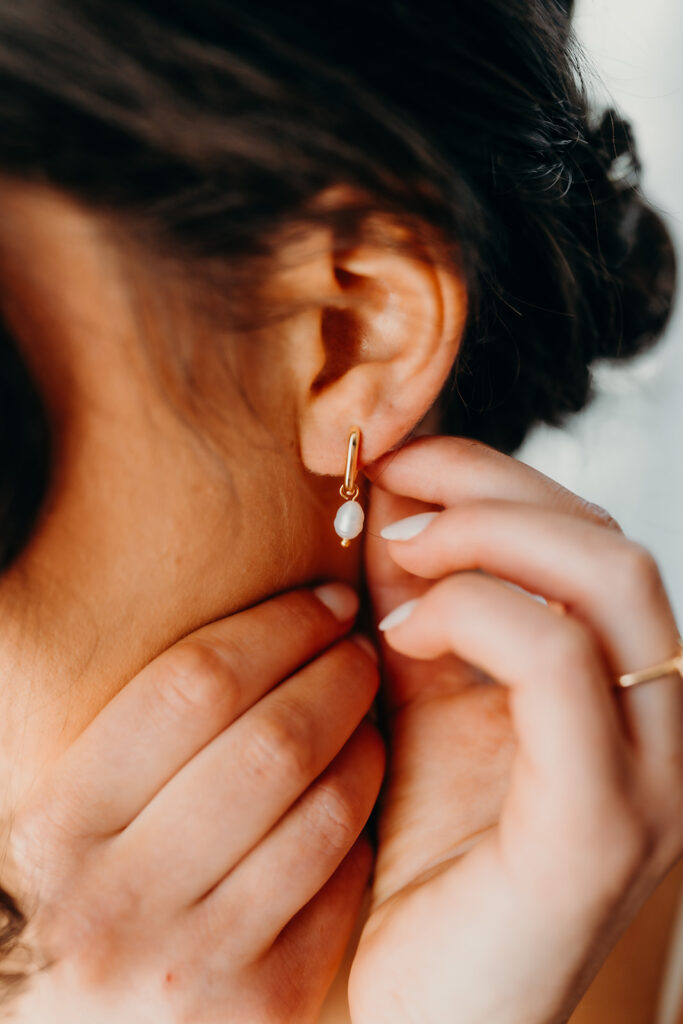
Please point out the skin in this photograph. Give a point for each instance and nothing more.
(103, 558)
(578, 810)
(133, 918)
(108, 583)
(155, 528)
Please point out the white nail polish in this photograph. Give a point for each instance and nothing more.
(406, 529)
(398, 615)
(340, 598)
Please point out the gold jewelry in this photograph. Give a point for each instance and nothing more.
(348, 521)
(644, 675)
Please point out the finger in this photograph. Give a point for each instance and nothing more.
(389, 585)
(229, 796)
(562, 709)
(450, 470)
(390, 582)
(606, 580)
(298, 857)
(183, 699)
(319, 935)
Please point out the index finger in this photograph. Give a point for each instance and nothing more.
(448, 470)
(183, 699)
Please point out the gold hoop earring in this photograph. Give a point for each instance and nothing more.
(348, 521)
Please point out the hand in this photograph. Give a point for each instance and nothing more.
(194, 854)
(523, 823)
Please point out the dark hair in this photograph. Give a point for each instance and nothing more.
(200, 127)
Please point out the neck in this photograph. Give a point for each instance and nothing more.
(83, 611)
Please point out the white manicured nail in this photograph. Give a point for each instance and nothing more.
(398, 615)
(341, 599)
(406, 529)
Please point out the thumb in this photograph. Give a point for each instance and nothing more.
(389, 585)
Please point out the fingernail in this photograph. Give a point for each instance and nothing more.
(341, 599)
(398, 615)
(406, 529)
(365, 644)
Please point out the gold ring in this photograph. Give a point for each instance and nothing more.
(644, 675)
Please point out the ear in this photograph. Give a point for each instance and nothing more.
(382, 349)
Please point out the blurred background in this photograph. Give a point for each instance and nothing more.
(626, 451)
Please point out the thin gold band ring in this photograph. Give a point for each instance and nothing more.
(663, 668)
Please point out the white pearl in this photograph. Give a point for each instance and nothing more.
(348, 521)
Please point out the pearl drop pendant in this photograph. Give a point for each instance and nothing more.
(348, 522)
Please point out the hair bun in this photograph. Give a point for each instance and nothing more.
(632, 286)
(590, 273)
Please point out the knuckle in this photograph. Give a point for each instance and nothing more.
(469, 514)
(575, 504)
(569, 651)
(603, 517)
(347, 668)
(301, 613)
(563, 497)
(471, 448)
(44, 830)
(280, 745)
(332, 822)
(473, 522)
(358, 666)
(459, 588)
(637, 572)
(196, 677)
(458, 453)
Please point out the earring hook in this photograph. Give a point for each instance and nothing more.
(349, 489)
(348, 522)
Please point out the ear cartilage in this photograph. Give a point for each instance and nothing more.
(348, 522)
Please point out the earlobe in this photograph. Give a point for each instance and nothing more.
(388, 343)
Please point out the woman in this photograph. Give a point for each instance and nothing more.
(229, 236)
